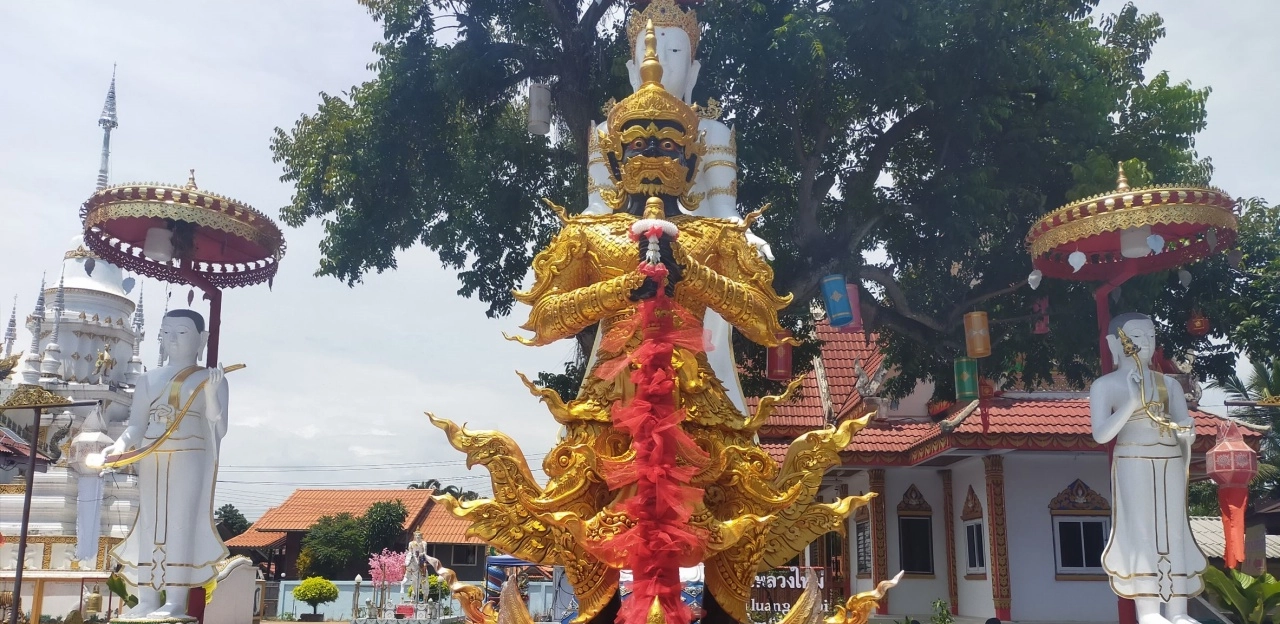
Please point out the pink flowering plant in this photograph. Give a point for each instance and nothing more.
(386, 568)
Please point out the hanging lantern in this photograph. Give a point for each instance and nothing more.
(1197, 324)
(966, 379)
(835, 294)
(1232, 464)
(1041, 307)
(778, 360)
(539, 109)
(977, 335)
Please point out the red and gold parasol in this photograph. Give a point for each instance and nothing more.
(1112, 237)
(1190, 223)
(184, 235)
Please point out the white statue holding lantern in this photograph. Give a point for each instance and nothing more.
(173, 545)
(1151, 555)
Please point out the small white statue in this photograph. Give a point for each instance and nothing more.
(1151, 555)
(173, 545)
(415, 561)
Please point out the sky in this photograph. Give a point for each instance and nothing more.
(339, 377)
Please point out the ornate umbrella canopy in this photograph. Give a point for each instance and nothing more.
(182, 234)
(1132, 231)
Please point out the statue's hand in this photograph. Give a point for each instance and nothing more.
(675, 272)
(214, 385)
(116, 448)
(761, 245)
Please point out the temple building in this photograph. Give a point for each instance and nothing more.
(1000, 507)
(85, 336)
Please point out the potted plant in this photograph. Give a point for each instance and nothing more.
(314, 591)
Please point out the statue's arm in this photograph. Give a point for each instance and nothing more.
(564, 297)
(597, 175)
(719, 174)
(137, 417)
(1105, 422)
(1179, 414)
(735, 282)
(216, 403)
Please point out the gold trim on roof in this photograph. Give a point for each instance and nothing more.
(31, 395)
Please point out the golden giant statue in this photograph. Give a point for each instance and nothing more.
(751, 513)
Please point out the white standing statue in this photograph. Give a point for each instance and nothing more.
(715, 189)
(1150, 556)
(173, 544)
(415, 563)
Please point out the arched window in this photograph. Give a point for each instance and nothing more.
(915, 533)
(1081, 523)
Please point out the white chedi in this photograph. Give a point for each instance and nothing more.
(1151, 555)
(173, 545)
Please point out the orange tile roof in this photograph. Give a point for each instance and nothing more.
(892, 435)
(841, 351)
(1056, 416)
(253, 538)
(304, 507)
(442, 527)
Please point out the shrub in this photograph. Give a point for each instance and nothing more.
(315, 591)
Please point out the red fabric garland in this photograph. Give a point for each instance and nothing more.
(661, 541)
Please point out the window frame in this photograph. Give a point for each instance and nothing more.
(861, 554)
(472, 560)
(980, 551)
(1061, 569)
(902, 534)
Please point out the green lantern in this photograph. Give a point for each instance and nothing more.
(966, 379)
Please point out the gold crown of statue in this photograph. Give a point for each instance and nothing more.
(651, 102)
(664, 14)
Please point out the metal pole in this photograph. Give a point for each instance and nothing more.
(26, 520)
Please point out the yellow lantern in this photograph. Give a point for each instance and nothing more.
(977, 335)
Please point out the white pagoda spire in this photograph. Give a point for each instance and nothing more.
(11, 331)
(109, 122)
(31, 372)
(51, 364)
(134, 370)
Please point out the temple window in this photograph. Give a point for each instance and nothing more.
(975, 545)
(1081, 523)
(862, 541)
(915, 533)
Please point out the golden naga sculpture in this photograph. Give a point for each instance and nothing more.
(857, 610)
(754, 513)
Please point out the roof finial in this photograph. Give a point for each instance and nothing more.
(38, 315)
(650, 67)
(1122, 182)
(109, 122)
(191, 181)
(59, 305)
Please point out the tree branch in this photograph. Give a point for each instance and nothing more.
(591, 17)
(894, 291)
(957, 312)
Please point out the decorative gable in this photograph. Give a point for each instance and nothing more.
(972, 507)
(1079, 499)
(914, 504)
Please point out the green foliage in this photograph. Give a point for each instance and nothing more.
(231, 518)
(115, 583)
(1249, 598)
(384, 525)
(336, 546)
(941, 613)
(315, 591)
(985, 114)
(287, 616)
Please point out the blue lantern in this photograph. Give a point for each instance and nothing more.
(835, 293)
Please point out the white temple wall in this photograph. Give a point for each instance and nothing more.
(973, 595)
(858, 484)
(915, 593)
(1031, 481)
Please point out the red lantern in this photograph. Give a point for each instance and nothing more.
(1232, 464)
(1197, 324)
(778, 360)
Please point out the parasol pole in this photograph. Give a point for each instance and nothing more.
(1100, 296)
(213, 295)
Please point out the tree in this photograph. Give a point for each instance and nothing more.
(315, 591)
(455, 491)
(384, 525)
(336, 546)
(232, 519)
(935, 131)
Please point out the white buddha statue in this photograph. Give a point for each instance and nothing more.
(414, 562)
(1150, 556)
(715, 188)
(173, 545)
